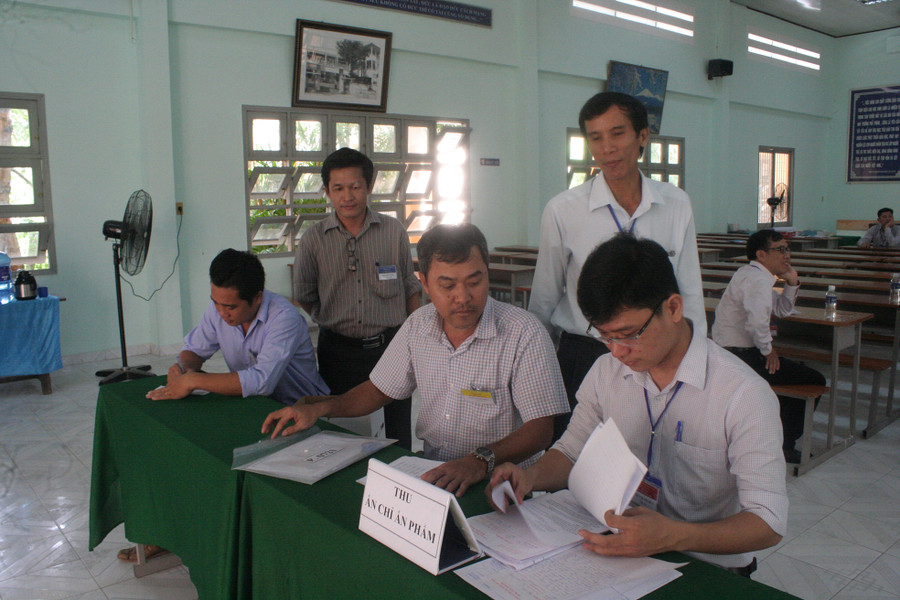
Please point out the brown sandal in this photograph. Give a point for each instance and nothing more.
(150, 551)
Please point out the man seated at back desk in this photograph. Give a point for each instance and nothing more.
(883, 234)
(702, 421)
(742, 326)
(263, 338)
(485, 370)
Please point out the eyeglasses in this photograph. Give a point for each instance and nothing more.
(630, 341)
(782, 249)
(351, 251)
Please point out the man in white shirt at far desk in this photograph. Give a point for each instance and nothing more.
(705, 424)
(883, 234)
(742, 326)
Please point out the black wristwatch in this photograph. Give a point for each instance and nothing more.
(487, 455)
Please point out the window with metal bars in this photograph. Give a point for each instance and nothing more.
(421, 170)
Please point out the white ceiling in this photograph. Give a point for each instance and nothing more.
(836, 18)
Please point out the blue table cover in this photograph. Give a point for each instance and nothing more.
(29, 337)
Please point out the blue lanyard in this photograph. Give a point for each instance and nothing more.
(652, 424)
(619, 225)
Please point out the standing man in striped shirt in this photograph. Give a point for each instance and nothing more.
(354, 275)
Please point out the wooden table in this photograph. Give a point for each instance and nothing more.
(510, 277)
(517, 248)
(846, 331)
(875, 302)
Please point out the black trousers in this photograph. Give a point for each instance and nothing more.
(790, 372)
(576, 355)
(344, 363)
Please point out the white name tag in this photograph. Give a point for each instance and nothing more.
(387, 273)
(416, 519)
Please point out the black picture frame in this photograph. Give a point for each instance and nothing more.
(341, 67)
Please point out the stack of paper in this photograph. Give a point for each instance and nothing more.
(574, 574)
(604, 477)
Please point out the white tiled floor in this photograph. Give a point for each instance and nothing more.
(843, 540)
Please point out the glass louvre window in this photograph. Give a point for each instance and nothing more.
(26, 219)
(776, 172)
(662, 160)
(421, 170)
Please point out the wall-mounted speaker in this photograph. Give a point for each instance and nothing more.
(719, 67)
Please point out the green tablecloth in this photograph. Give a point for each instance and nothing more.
(164, 468)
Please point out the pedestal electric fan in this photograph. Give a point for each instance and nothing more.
(781, 190)
(131, 240)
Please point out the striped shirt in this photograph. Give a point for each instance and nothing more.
(360, 303)
(729, 456)
(510, 357)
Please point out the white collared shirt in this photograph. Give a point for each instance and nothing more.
(509, 359)
(747, 306)
(728, 458)
(577, 220)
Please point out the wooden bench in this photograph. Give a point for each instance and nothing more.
(867, 363)
(808, 393)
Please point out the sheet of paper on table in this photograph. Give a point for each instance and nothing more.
(313, 457)
(604, 477)
(574, 574)
(411, 465)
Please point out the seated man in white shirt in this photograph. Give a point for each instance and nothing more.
(883, 234)
(705, 425)
(742, 325)
(485, 370)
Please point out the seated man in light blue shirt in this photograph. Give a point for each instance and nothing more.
(263, 338)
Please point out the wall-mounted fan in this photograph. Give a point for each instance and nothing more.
(781, 192)
(131, 240)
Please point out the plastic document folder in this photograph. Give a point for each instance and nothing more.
(308, 456)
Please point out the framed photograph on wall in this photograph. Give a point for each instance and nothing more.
(341, 67)
(645, 84)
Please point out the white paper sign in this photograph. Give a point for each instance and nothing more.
(416, 519)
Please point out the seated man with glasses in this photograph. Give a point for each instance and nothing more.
(484, 370)
(354, 275)
(705, 425)
(743, 319)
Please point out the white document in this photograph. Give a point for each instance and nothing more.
(604, 477)
(606, 474)
(534, 530)
(411, 465)
(315, 457)
(576, 574)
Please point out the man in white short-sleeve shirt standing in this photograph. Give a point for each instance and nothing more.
(619, 199)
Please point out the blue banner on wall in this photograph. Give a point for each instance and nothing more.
(444, 9)
(874, 152)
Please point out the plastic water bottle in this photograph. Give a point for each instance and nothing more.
(895, 288)
(830, 303)
(6, 283)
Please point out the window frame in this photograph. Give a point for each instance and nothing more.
(407, 207)
(36, 156)
(588, 167)
(765, 193)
